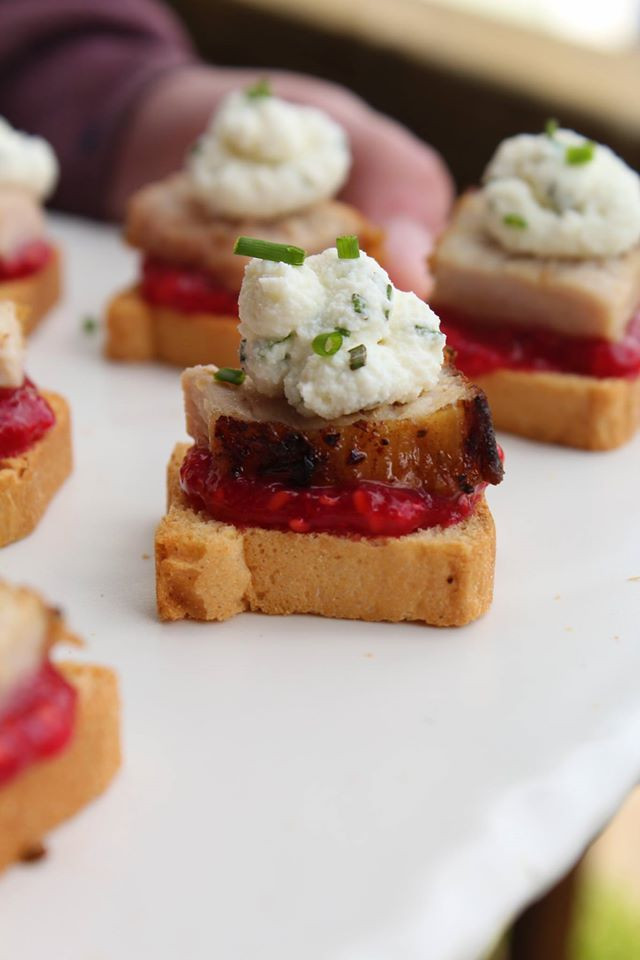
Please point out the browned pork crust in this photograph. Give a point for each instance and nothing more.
(443, 442)
(166, 220)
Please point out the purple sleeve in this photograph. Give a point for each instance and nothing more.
(72, 70)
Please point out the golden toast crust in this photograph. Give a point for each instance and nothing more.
(206, 570)
(53, 790)
(140, 331)
(37, 293)
(29, 481)
(576, 411)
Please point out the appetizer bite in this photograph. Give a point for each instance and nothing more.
(35, 437)
(537, 283)
(59, 726)
(264, 167)
(340, 472)
(29, 262)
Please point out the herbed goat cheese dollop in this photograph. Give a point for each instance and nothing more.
(26, 161)
(263, 157)
(334, 336)
(556, 194)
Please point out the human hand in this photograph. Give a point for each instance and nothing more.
(397, 181)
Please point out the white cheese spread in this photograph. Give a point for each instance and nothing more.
(334, 335)
(556, 194)
(263, 157)
(27, 162)
(12, 349)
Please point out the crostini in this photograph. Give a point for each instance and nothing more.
(537, 284)
(29, 261)
(59, 726)
(35, 437)
(342, 470)
(264, 167)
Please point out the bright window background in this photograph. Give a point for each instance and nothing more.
(608, 24)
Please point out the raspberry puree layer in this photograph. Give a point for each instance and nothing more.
(185, 288)
(483, 348)
(25, 416)
(26, 261)
(367, 508)
(37, 722)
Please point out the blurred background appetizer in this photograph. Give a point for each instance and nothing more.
(35, 437)
(265, 167)
(29, 261)
(342, 470)
(59, 726)
(537, 282)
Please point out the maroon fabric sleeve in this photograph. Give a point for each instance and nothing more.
(72, 70)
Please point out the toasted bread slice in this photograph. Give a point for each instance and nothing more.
(50, 791)
(166, 220)
(206, 570)
(37, 293)
(29, 481)
(568, 409)
(138, 331)
(442, 442)
(478, 280)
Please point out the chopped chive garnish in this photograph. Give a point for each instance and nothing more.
(514, 220)
(343, 331)
(386, 313)
(357, 357)
(89, 324)
(579, 154)
(266, 250)
(326, 344)
(229, 375)
(424, 331)
(358, 303)
(551, 127)
(348, 248)
(260, 89)
(274, 343)
(389, 291)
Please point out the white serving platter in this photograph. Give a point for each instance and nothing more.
(307, 789)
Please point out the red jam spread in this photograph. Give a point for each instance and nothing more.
(25, 416)
(185, 288)
(27, 260)
(482, 348)
(37, 722)
(367, 508)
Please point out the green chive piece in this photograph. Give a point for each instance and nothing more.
(358, 303)
(229, 375)
(274, 343)
(260, 89)
(357, 357)
(348, 248)
(551, 127)
(343, 331)
(389, 291)
(266, 250)
(326, 344)
(89, 324)
(579, 154)
(386, 313)
(515, 220)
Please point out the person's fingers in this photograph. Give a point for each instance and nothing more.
(407, 246)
